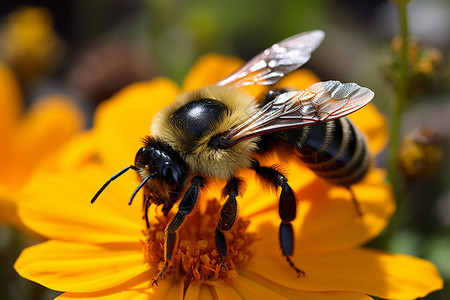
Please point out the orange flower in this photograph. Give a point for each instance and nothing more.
(101, 252)
(28, 139)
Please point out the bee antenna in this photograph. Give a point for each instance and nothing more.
(111, 179)
(140, 186)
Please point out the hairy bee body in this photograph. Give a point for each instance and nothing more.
(335, 151)
(195, 117)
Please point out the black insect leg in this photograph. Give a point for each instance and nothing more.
(186, 206)
(287, 209)
(146, 206)
(228, 213)
(355, 202)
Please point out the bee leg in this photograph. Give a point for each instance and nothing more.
(147, 204)
(287, 209)
(186, 206)
(355, 202)
(228, 213)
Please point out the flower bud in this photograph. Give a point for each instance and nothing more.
(420, 154)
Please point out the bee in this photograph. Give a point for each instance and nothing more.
(216, 130)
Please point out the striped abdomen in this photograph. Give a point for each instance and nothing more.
(335, 150)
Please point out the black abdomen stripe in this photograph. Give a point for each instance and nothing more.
(335, 150)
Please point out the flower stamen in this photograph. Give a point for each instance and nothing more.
(196, 257)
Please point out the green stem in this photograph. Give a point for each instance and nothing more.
(395, 118)
(397, 109)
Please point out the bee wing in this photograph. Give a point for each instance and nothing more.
(321, 102)
(270, 66)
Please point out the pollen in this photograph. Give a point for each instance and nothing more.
(196, 257)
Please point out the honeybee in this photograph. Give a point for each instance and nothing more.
(214, 131)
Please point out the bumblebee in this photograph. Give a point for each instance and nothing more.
(214, 131)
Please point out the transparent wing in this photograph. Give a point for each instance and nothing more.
(321, 102)
(270, 66)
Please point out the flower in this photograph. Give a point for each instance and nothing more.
(28, 138)
(29, 43)
(102, 252)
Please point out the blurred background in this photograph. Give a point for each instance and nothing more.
(88, 50)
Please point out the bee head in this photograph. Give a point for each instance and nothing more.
(158, 161)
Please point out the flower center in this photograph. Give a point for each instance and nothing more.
(196, 257)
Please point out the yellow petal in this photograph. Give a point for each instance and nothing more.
(122, 122)
(79, 151)
(129, 291)
(331, 223)
(41, 133)
(258, 287)
(251, 289)
(209, 69)
(289, 293)
(299, 79)
(175, 292)
(193, 292)
(197, 291)
(58, 206)
(226, 292)
(78, 267)
(373, 125)
(358, 270)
